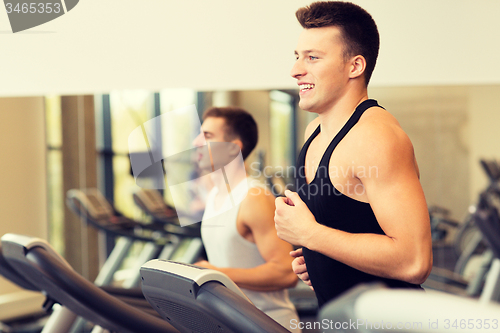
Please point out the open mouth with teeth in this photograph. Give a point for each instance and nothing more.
(305, 87)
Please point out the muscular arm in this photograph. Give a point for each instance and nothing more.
(398, 202)
(256, 212)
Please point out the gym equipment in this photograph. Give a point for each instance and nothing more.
(200, 300)
(469, 240)
(12, 275)
(91, 205)
(64, 318)
(32, 318)
(440, 222)
(215, 302)
(373, 308)
(164, 240)
(36, 261)
(488, 221)
(151, 201)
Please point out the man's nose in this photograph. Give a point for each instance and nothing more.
(199, 140)
(298, 69)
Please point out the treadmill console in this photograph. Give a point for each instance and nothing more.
(92, 202)
(151, 200)
(194, 274)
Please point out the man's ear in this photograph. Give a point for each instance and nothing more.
(238, 144)
(358, 66)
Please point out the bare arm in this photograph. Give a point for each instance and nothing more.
(397, 199)
(256, 212)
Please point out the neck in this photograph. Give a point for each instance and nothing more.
(332, 120)
(233, 175)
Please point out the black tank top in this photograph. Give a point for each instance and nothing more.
(332, 208)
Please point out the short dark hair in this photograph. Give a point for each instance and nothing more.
(239, 123)
(359, 31)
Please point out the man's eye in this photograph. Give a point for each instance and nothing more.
(312, 58)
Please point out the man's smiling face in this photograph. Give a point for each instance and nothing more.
(321, 70)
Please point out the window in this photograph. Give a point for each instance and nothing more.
(54, 172)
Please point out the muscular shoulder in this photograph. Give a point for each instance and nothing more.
(381, 141)
(379, 123)
(257, 207)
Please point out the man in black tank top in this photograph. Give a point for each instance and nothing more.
(359, 213)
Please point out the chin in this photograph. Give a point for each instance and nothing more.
(303, 106)
(306, 105)
(307, 108)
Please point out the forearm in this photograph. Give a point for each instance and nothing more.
(374, 254)
(266, 277)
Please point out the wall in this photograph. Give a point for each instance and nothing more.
(484, 132)
(437, 120)
(23, 200)
(237, 45)
(257, 103)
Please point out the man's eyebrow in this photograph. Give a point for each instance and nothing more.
(309, 51)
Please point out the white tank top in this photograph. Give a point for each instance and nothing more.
(225, 247)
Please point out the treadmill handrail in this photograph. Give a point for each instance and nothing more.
(28, 243)
(64, 285)
(197, 274)
(8, 272)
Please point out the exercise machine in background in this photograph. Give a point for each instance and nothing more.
(36, 262)
(158, 239)
(165, 240)
(475, 255)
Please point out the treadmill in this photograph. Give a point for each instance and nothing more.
(165, 240)
(201, 300)
(36, 262)
(204, 300)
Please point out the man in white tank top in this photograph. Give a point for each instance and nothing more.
(238, 224)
